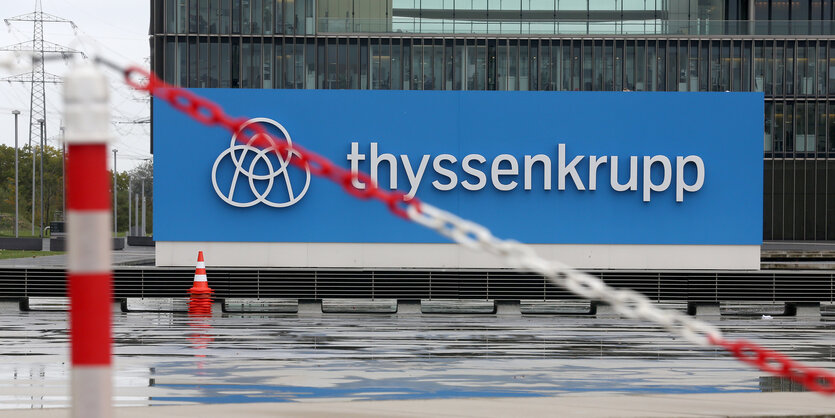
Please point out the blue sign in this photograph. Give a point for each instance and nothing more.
(538, 167)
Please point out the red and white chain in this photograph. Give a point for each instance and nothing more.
(626, 302)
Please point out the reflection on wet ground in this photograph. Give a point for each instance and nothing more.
(176, 359)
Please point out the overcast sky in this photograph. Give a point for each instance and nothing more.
(115, 29)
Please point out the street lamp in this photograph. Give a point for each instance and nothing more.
(43, 140)
(16, 113)
(115, 230)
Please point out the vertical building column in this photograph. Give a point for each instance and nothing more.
(89, 275)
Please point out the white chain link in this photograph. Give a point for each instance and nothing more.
(626, 302)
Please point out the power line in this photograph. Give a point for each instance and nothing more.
(38, 77)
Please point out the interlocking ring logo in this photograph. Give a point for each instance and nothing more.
(238, 152)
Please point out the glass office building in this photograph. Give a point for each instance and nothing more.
(785, 49)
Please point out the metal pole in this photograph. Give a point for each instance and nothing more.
(136, 217)
(143, 207)
(32, 149)
(43, 143)
(130, 214)
(115, 229)
(63, 178)
(89, 274)
(16, 113)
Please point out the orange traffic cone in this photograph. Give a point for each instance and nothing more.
(200, 303)
(201, 285)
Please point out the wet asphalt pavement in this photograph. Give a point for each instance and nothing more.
(163, 358)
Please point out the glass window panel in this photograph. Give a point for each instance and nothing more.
(236, 16)
(769, 68)
(246, 61)
(298, 65)
(821, 126)
(759, 66)
(746, 66)
(428, 79)
(608, 66)
(203, 17)
(363, 63)
(170, 72)
(192, 62)
(588, 76)
(652, 64)
(800, 10)
(725, 78)
(556, 65)
(545, 65)
(736, 70)
(374, 69)
(618, 61)
(234, 64)
(353, 64)
(513, 61)
(810, 127)
(289, 64)
(438, 63)
(214, 15)
(661, 61)
(492, 65)
(280, 77)
(279, 17)
(682, 66)
(672, 66)
(449, 65)
(788, 123)
(257, 17)
(640, 66)
(800, 131)
(257, 68)
(407, 65)
(225, 63)
(417, 64)
(575, 66)
(821, 69)
(225, 16)
(322, 63)
(268, 18)
(461, 64)
(789, 71)
(397, 67)
(693, 67)
(246, 16)
(193, 7)
(342, 64)
(715, 67)
(524, 66)
(769, 121)
(203, 63)
(534, 66)
(289, 17)
(333, 65)
(171, 15)
(596, 57)
(310, 64)
(778, 127)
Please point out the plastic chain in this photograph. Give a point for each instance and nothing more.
(627, 302)
(209, 113)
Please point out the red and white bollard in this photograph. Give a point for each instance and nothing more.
(89, 274)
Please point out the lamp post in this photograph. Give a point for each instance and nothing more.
(43, 140)
(115, 230)
(16, 113)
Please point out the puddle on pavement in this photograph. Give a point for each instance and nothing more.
(235, 358)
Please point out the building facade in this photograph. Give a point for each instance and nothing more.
(784, 49)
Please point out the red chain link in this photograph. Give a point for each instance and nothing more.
(772, 362)
(209, 113)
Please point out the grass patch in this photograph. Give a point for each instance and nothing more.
(6, 254)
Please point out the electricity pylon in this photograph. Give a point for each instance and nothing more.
(38, 77)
